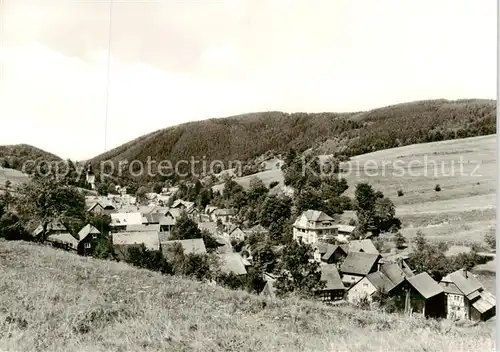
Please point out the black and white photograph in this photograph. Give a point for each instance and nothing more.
(248, 175)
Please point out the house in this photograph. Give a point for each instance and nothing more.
(152, 218)
(168, 221)
(85, 237)
(119, 221)
(313, 226)
(335, 254)
(423, 295)
(386, 280)
(357, 265)
(345, 230)
(400, 261)
(52, 229)
(101, 208)
(226, 216)
(365, 245)
(122, 241)
(182, 204)
(63, 240)
(232, 263)
(466, 298)
(236, 233)
(334, 289)
(192, 246)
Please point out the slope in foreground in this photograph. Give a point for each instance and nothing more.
(53, 300)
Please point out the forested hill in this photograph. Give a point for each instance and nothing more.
(246, 136)
(14, 156)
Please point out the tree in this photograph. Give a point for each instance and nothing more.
(420, 241)
(103, 189)
(309, 198)
(299, 274)
(148, 259)
(274, 214)
(158, 187)
(437, 188)
(185, 229)
(46, 200)
(491, 239)
(375, 212)
(399, 240)
(257, 189)
(141, 196)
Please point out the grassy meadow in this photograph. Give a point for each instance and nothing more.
(51, 300)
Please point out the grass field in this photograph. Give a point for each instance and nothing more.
(57, 301)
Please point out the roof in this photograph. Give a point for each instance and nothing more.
(381, 282)
(316, 215)
(211, 227)
(485, 303)
(425, 285)
(174, 212)
(192, 246)
(121, 219)
(149, 239)
(142, 228)
(88, 230)
(466, 285)
(331, 249)
(209, 209)
(359, 263)
(64, 238)
(153, 218)
(52, 226)
(365, 245)
(346, 228)
(232, 263)
(330, 274)
(167, 221)
(394, 272)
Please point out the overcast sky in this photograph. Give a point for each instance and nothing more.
(178, 61)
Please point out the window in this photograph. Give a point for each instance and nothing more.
(87, 245)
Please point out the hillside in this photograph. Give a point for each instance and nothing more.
(246, 136)
(14, 156)
(464, 209)
(58, 301)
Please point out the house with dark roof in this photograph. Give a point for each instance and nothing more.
(331, 253)
(313, 226)
(357, 265)
(384, 281)
(466, 298)
(334, 289)
(236, 233)
(423, 295)
(85, 238)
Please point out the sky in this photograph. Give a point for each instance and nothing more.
(176, 61)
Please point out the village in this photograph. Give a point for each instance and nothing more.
(354, 271)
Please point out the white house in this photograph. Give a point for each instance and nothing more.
(313, 226)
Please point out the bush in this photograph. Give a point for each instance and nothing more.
(147, 259)
(273, 184)
(437, 188)
(400, 193)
